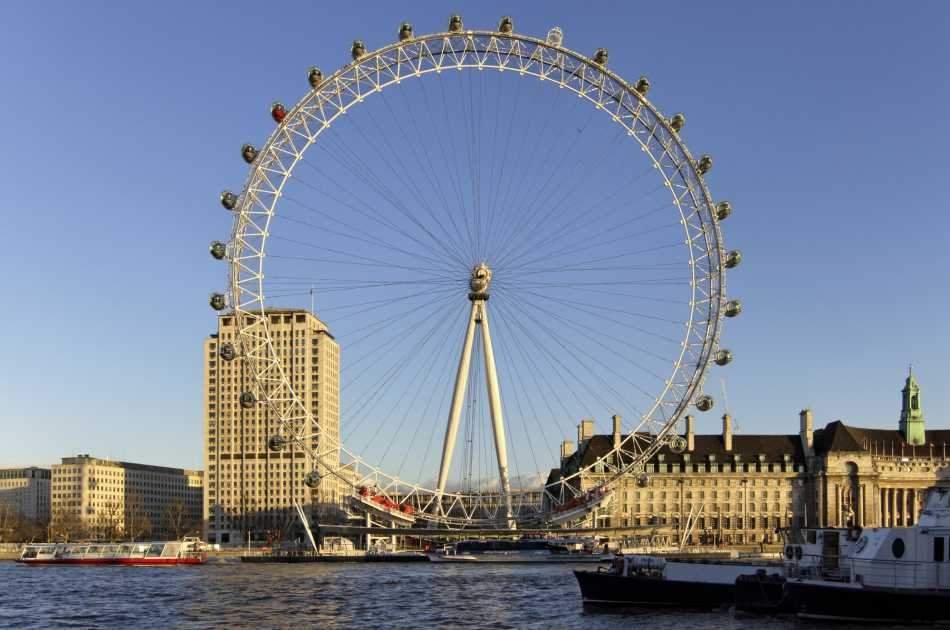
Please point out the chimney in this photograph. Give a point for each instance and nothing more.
(807, 431)
(618, 421)
(585, 431)
(690, 433)
(727, 431)
(567, 449)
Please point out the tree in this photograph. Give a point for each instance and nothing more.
(110, 521)
(67, 525)
(178, 520)
(137, 523)
(10, 522)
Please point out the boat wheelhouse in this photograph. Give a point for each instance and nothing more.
(882, 574)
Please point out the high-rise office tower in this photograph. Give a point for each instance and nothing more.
(251, 489)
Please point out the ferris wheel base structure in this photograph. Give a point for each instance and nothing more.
(586, 488)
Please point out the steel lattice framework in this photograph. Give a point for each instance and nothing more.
(414, 57)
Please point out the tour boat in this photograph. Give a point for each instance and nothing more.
(187, 551)
(518, 551)
(653, 581)
(887, 574)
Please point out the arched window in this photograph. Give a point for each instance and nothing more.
(915, 402)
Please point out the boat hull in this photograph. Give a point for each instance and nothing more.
(133, 562)
(606, 589)
(516, 558)
(854, 602)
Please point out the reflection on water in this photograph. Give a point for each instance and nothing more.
(229, 594)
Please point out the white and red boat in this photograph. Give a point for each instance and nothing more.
(169, 553)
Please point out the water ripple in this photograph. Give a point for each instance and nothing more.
(233, 595)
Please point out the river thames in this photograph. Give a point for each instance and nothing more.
(234, 595)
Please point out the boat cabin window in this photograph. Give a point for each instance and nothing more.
(938, 549)
(897, 547)
(155, 550)
(811, 537)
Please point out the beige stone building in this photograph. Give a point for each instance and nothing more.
(741, 488)
(24, 492)
(250, 487)
(106, 499)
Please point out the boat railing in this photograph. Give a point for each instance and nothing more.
(896, 573)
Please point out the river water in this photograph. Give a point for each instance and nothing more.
(234, 595)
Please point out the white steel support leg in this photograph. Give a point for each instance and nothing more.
(458, 399)
(497, 419)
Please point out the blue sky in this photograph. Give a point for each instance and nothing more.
(826, 120)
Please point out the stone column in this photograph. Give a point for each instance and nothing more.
(890, 508)
(882, 506)
(912, 507)
(901, 499)
(860, 506)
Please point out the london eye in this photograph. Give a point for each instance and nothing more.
(504, 237)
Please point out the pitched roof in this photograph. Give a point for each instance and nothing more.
(837, 436)
(747, 447)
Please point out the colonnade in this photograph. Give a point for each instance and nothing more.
(899, 506)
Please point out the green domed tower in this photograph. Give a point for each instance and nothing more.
(912, 416)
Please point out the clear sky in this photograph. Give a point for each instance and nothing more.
(122, 124)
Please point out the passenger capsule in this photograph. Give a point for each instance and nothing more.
(405, 31)
(455, 24)
(278, 112)
(733, 308)
(248, 400)
(227, 352)
(704, 165)
(218, 250)
(642, 86)
(315, 77)
(506, 25)
(249, 153)
(358, 50)
(723, 210)
(677, 122)
(218, 302)
(678, 444)
(276, 443)
(643, 480)
(723, 357)
(600, 57)
(733, 259)
(555, 37)
(705, 402)
(312, 480)
(228, 200)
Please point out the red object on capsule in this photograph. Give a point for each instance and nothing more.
(278, 112)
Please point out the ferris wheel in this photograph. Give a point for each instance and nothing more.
(505, 238)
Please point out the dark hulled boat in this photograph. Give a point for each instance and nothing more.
(650, 581)
(885, 575)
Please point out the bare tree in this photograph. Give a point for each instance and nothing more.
(67, 525)
(137, 523)
(10, 522)
(110, 521)
(179, 520)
